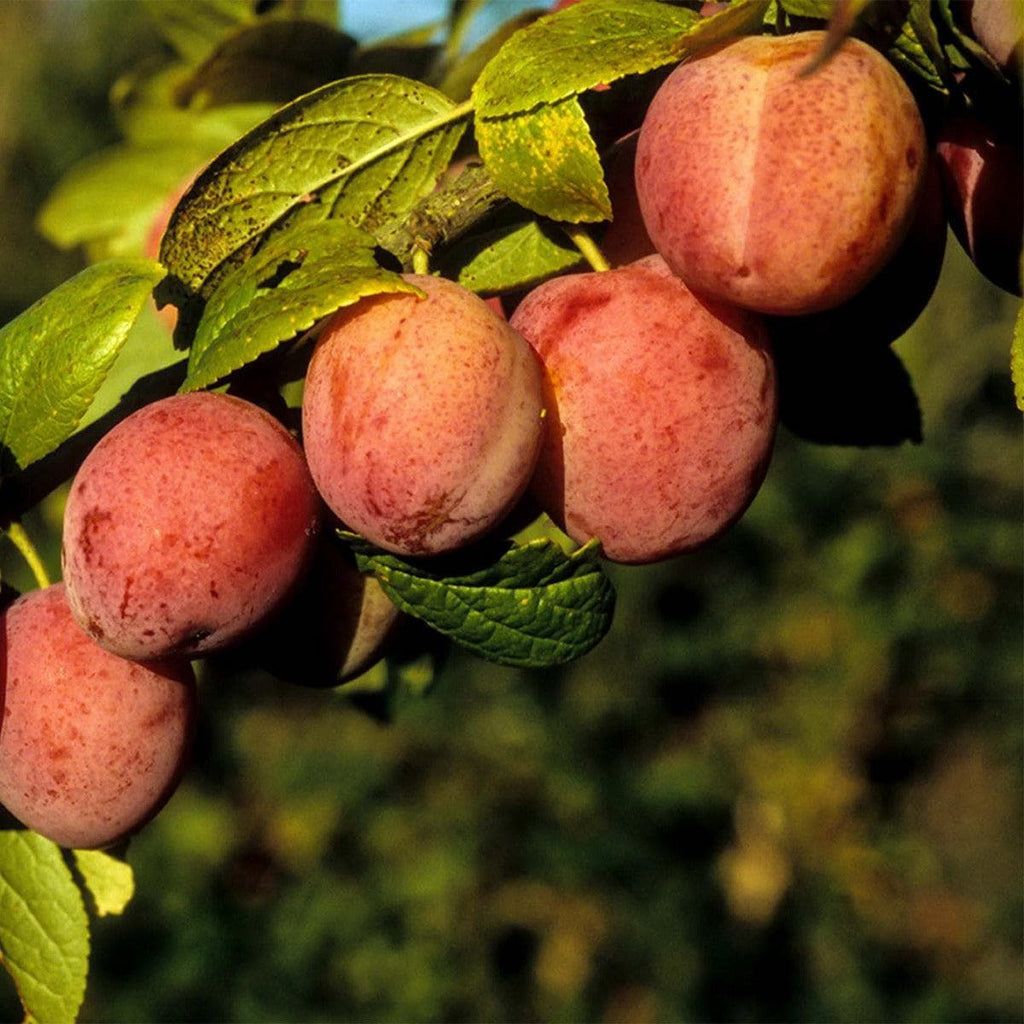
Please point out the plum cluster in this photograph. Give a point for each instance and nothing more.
(636, 405)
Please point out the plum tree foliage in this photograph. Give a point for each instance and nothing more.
(345, 205)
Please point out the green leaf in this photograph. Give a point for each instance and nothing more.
(299, 276)
(916, 48)
(530, 127)
(110, 881)
(109, 201)
(1017, 358)
(534, 606)
(362, 150)
(55, 355)
(463, 73)
(44, 930)
(146, 107)
(273, 60)
(194, 27)
(546, 161)
(590, 43)
(513, 256)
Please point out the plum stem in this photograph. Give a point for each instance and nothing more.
(420, 261)
(21, 540)
(587, 247)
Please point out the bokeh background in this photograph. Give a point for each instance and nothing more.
(787, 786)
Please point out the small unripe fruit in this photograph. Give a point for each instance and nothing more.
(775, 191)
(186, 526)
(91, 745)
(422, 417)
(661, 412)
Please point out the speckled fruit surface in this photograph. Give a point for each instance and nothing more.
(662, 409)
(422, 417)
(186, 525)
(91, 745)
(780, 192)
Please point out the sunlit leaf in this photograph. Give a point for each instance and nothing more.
(44, 930)
(55, 355)
(303, 274)
(546, 161)
(362, 150)
(511, 257)
(110, 881)
(1017, 358)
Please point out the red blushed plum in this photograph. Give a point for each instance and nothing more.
(422, 417)
(775, 191)
(894, 298)
(983, 176)
(186, 526)
(661, 413)
(91, 745)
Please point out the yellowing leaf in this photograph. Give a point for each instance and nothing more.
(110, 881)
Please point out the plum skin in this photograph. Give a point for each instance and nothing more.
(661, 409)
(422, 417)
(780, 193)
(186, 526)
(983, 177)
(92, 745)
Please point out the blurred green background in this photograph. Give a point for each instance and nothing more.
(787, 786)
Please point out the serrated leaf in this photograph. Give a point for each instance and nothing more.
(110, 881)
(55, 355)
(530, 127)
(513, 256)
(546, 161)
(44, 930)
(109, 201)
(533, 606)
(588, 44)
(299, 276)
(362, 150)
(916, 48)
(1017, 358)
(463, 73)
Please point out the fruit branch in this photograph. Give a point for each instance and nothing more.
(442, 216)
(587, 246)
(18, 536)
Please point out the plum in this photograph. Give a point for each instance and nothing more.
(422, 417)
(335, 627)
(661, 409)
(894, 298)
(91, 744)
(186, 526)
(776, 191)
(998, 25)
(983, 176)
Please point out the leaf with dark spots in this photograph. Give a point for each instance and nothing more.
(363, 150)
(298, 277)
